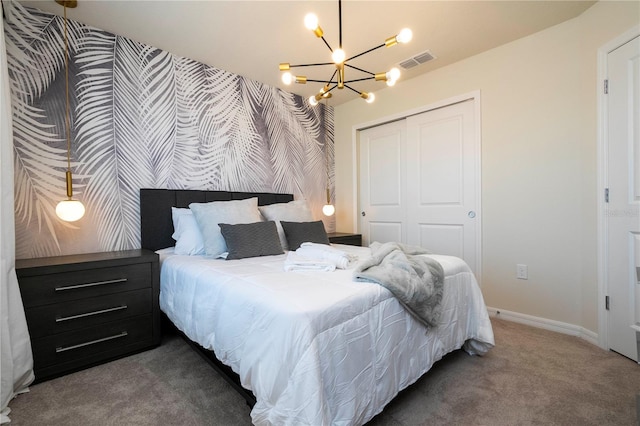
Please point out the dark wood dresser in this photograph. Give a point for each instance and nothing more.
(345, 238)
(86, 309)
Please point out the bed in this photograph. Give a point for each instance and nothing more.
(307, 347)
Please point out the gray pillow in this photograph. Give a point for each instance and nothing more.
(251, 239)
(304, 232)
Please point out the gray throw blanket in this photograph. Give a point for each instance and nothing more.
(416, 281)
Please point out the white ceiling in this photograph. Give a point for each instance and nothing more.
(251, 38)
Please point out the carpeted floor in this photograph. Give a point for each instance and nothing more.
(531, 377)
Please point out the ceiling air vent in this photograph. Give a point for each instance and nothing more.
(416, 60)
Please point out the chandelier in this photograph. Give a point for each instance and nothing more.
(340, 61)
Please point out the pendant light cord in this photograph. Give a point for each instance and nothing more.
(326, 149)
(66, 80)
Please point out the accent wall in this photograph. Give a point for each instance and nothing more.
(143, 118)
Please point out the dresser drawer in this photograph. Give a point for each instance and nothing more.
(110, 338)
(65, 286)
(67, 316)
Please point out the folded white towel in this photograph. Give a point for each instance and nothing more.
(326, 253)
(297, 262)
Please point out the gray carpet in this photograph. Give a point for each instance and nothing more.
(531, 377)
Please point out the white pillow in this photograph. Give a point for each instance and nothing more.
(293, 211)
(209, 215)
(186, 233)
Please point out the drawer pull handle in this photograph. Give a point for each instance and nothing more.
(88, 314)
(93, 342)
(73, 287)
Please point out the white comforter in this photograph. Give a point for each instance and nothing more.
(317, 348)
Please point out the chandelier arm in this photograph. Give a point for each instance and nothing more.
(360, 69)
(328, 81)
(359, 79)
(311, 65)
(365, 52)
(334, 86)
(327, 43)
(351, 88)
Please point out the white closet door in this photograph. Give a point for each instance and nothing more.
(442, 175)
(420, 182)
(382, 183)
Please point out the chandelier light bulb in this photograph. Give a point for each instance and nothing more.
(287, 78)
(311, 21)
(393, 74)
(404, 36)
(312, 100)
(338, 56)
(370, 98)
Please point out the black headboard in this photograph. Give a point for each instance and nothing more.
(156, 225)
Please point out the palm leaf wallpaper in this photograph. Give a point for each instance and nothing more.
(143, 118)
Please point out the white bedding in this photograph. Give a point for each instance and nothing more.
(317, 348)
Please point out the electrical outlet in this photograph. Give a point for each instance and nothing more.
(522, 272)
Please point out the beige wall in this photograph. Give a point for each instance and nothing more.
(539, 159)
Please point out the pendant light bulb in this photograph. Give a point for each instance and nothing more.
(328, 209)
(70, 210)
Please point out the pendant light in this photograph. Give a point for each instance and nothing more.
(328, 209)
(68, 210)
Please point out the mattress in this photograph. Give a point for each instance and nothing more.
(317, 347)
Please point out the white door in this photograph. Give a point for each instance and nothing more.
(442, 212)
(382, 183)
(419, 182)
(623, 209)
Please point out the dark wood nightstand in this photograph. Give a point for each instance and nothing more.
(87, 309)
(345, 238)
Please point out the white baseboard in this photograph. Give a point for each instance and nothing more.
(547, 324)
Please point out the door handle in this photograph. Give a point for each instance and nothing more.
(471, 214)
(363, 214)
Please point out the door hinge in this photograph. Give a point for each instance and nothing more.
(606, 195)
(606, 87)
(606, 302)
